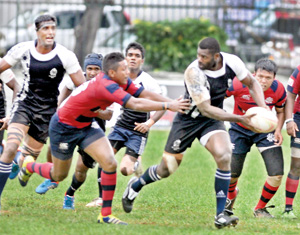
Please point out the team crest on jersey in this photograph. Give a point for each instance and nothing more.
(53, 73)
(176, 145)
(290, 82)
(246, 97)
(269, 100)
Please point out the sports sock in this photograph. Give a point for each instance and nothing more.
(291, 187)
(99, 181)
(148, 177)
(43, 169)
(222, 181)
(267, 193)
(5, 169)
(74, 186)
(232, 192)
(108, 181)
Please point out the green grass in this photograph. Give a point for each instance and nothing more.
(182, 204)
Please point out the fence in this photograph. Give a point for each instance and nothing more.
(254, 27)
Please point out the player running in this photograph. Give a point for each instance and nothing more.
(268, 144)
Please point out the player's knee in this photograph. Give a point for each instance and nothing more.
(169, 166)
(80, 175)
(60, 176)
(295, 166)
(274, 181)
(110, 164)
(223, 160)
(9, 152)
(125, 171)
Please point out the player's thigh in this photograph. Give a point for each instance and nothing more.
(60, 168)
(219, 144)
(101, 151)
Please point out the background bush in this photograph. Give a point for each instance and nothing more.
(171, 46)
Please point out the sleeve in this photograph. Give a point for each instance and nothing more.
(69, 59)
(293, 84)
(7, 75)
(16, 52)
(152, 85)
(237, 65)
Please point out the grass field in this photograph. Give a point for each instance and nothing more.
(182, 204)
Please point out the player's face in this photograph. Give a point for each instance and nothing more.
(92, 71)
(134, 59)
(206, 60)
(265, 78)
(121, 74)
(46, 34)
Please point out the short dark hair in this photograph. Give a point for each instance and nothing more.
(111, 61)
(266, 64)
(136, 45)
(43, 18)
(211, 44)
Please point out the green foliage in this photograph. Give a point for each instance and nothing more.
(171, 46)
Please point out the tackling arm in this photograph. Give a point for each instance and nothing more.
(195, 82)
(291, 126)
(255, 90)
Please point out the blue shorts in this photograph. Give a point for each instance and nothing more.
(127, 138)
(295, 141)
(242, 139)
(64, 138)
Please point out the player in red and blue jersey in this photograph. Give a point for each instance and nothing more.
(292, 115)
(268, 144)
(73, 125)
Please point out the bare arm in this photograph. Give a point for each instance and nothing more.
(291, 126)
(4, 65)
(14, 86)
(105, 114)
(153, 96)
(65, 92)
(255, 90)
(145, 105)
(280, 116)
(195, 82)
(77, 78)
(145, 126)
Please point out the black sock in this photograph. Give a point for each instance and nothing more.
(74, 186)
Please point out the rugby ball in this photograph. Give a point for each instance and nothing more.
(264, 121)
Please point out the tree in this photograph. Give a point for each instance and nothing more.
(86, 30)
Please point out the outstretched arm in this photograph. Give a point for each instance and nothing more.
(291, 126)
(145, 105)
(255, 90)
(196, 84)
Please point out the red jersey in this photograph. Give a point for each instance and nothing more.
(80, 107)
(293, 86)
(274, 96)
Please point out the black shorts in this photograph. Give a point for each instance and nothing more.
(185, 129)
(87, 160)
(37, 121)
